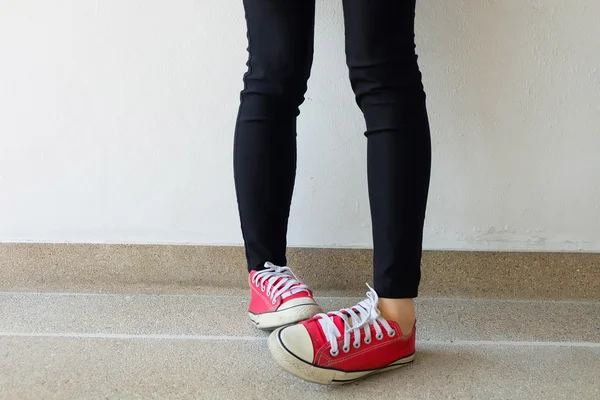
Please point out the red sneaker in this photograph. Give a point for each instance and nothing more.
(278, 298)
(343, 346)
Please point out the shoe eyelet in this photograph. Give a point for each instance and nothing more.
(274, 301)
(334, 353)
(257, 284)
(262, 288)
(268, 293)
(392, 333)
(357, 345)
(379, 336)
(346, 349)
(368, 341)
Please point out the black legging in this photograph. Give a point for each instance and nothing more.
(380, 53)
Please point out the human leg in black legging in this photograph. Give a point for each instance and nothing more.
(380, 51)
(280, 36)
(386, 79)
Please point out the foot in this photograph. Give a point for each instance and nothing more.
(401, 311)
(343, 346)
(278, 298)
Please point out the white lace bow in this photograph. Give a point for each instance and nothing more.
(360, 317)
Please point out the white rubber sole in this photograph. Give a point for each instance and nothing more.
(289, 316)
(324, 376)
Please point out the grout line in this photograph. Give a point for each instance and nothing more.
(122, 294)
(518, 301)
(592, 345)
(475, 343)
(325, 298)
(75, 335)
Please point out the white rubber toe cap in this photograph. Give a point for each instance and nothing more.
(296, 340)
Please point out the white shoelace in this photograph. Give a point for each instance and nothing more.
(278, 282)
(364, 315)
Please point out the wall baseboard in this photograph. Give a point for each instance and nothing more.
(190, 269)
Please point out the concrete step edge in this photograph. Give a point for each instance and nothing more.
(188, 269)
(159, 317)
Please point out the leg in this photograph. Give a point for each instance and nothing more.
(380, 52)
(355, 342)
(280, 37)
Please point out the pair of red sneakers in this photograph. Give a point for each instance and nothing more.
(333, 348)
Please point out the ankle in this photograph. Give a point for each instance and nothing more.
(401, 311)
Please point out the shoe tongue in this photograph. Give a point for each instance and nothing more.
(289, 297)
(301, 294)
(340, 324)
(321, 339)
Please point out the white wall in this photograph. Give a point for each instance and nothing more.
(116, 120)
